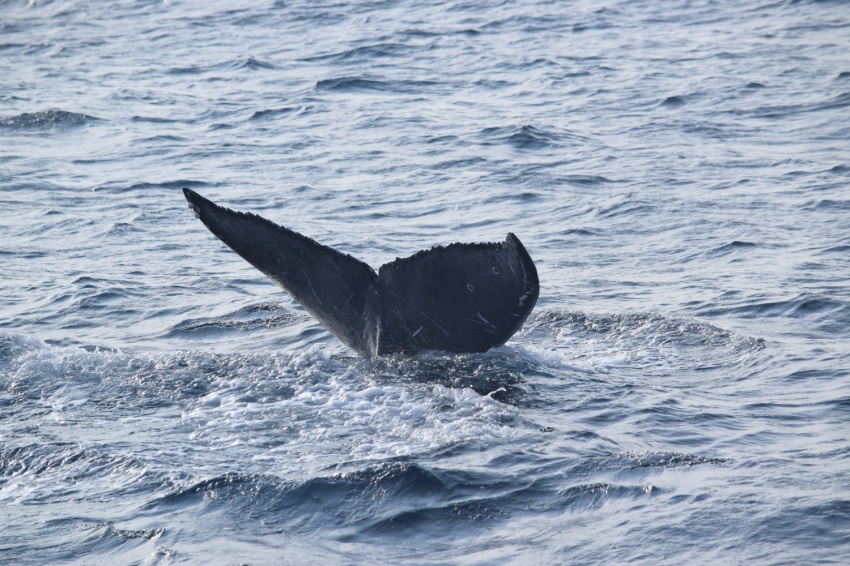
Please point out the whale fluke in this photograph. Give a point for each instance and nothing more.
(457, 298)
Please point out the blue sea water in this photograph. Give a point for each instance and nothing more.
(678, 170)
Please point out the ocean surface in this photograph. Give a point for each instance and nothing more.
(678, 170)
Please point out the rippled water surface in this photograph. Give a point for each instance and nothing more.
(679, 171)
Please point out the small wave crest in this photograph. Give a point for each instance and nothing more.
(272, 113)
(39, 472)
(247, 63)
(526, 137)
(392, 497)
(309, 504)
(731, 247)
(637, 460)
(45, 120)
(245, 319)
(364, 84)
(366, 52)
(827, 313)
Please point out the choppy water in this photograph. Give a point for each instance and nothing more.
(679, 171)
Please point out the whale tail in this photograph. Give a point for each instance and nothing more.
(458, 298)
(330, 285)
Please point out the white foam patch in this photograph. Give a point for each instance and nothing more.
(346, 415)
(283, 408)
(562, 359)
(263, 412)
(645, 342)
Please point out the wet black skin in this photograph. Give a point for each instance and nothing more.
(457, 298)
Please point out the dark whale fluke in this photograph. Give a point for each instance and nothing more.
(458, 298)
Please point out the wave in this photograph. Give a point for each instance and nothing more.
(731, 247)
(247, 63)
(245, 319)
(393, 498)
(366, 52)
(800, 306)
(526, 137)
(828, 204)
(784, 111)
(57, 471)
(46, 120)
(585, 180)
(175, 185)
(308, 505)
(674, 101)
(277, 112)
(363, 84)
(639, 460)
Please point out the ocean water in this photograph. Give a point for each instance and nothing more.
(678, 170)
